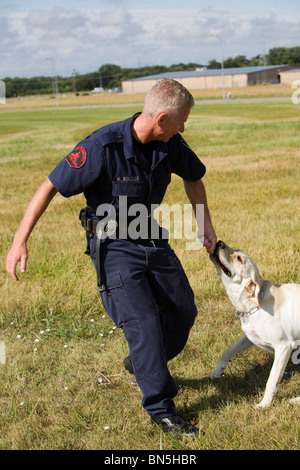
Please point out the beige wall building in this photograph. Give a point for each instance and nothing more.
(205, 79)
(289, 76)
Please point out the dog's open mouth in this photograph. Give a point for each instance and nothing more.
(217, 259)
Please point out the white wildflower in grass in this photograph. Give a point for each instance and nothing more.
(106, 428)
(110, 332)
(65, 345)
(102, 345)
(36, 340)
(42, 332)
(35, 349)
(92, 320)
(103, 316)
(18, 336)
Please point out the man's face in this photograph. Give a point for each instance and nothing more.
(168, 126)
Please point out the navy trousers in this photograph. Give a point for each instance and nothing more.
(147, 294)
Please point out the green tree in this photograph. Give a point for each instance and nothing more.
(238, 61)
(213, 64)
(110, 75)
(284, 56)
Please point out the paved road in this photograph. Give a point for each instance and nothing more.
(244, 100)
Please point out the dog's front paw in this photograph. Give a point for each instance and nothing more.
(262, 405)
(218, 372)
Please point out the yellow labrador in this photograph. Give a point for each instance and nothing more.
(269, 314)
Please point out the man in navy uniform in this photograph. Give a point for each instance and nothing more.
(142, 284)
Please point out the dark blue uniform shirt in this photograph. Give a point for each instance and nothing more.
(108, 164)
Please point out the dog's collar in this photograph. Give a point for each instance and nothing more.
(241, 315)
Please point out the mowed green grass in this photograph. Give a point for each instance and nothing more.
(63, 385)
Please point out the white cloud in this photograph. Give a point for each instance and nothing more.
(87, 38)
(119, 17)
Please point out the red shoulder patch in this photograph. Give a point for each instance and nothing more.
(77, 158)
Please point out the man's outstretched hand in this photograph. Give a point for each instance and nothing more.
(17, 254)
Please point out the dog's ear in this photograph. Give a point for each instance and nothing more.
(253, 288)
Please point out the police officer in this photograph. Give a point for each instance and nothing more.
(141, 281)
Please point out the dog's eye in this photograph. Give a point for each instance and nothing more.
(239, 259)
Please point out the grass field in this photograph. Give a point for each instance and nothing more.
(63, 385)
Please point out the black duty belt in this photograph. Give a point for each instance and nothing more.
(89, 221)
(93, 225)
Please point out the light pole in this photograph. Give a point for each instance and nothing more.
(222, 63)
(74, 73)
(54, 80)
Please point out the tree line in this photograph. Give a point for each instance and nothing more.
(110, 76)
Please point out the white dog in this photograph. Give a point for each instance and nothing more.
(269, 314)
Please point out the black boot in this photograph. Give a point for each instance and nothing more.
(177, 425)
(128, 364)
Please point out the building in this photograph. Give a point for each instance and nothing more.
(204, 79)
(289, 76)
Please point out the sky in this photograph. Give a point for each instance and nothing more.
(79, 36)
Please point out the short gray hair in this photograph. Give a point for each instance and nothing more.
(168, 96)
